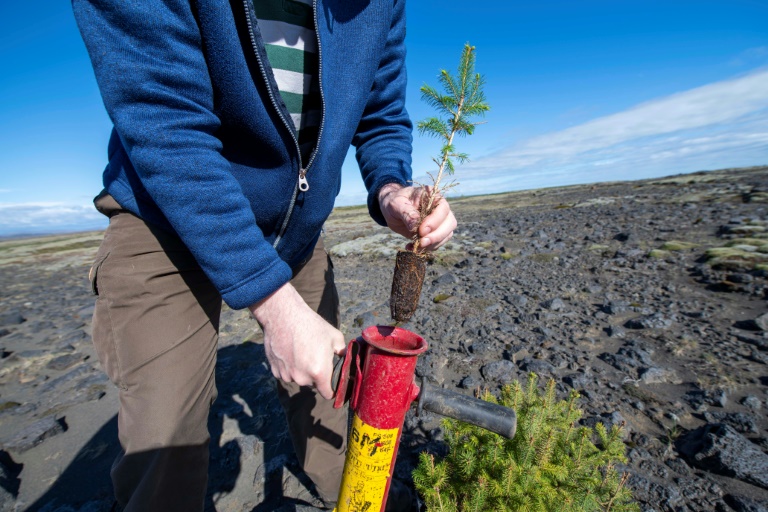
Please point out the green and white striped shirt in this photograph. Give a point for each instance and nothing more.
(288, 30)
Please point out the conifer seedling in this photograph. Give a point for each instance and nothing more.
(458, 106)
(553, 464)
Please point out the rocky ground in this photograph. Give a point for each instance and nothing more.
(648, 297)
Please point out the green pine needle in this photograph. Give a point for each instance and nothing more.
(550, 465)
(458, 104)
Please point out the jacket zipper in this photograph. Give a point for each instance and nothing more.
(302, 184)
(320, 84)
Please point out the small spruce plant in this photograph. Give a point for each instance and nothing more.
(458, 107)
(461, 103)
(551, 465)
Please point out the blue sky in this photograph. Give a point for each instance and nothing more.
(580, 92)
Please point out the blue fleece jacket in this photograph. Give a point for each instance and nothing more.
(202, 143)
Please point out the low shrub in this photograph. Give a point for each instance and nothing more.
(551, 465)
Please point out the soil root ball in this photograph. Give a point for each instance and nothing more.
(410, 269)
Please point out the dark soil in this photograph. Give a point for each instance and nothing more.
(408, 279)
(604, 288)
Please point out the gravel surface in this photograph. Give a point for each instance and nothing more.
(648, 297)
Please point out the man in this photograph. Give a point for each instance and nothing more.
(231, 122)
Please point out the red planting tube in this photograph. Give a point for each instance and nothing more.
(379, 401)
(381, 364)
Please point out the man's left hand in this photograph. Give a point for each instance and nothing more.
(400, 206)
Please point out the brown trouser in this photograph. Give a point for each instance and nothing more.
(155, 329)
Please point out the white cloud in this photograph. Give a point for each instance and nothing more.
(722, 124)
(751, 56)
(45, 217)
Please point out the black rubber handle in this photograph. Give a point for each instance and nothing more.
(496, 418)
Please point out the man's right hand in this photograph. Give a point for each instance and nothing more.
(298, 342)
(400, 207)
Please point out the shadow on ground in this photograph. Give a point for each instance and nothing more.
(247, 427)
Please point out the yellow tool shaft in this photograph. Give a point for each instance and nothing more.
(370, 454)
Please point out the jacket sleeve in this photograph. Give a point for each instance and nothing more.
(384, 135)
(154, 81)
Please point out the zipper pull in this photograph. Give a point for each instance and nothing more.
(303, 183)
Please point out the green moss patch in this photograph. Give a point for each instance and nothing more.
(676, 245)
(85, 244)
(659, 254)
(756, 241)
(734, 258)
(446, 258)
(543, 257)
(758, 197)
(748, 230)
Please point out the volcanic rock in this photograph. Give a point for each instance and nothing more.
(35, 434)
(556, 300)
(499, 371)
(721, 449)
